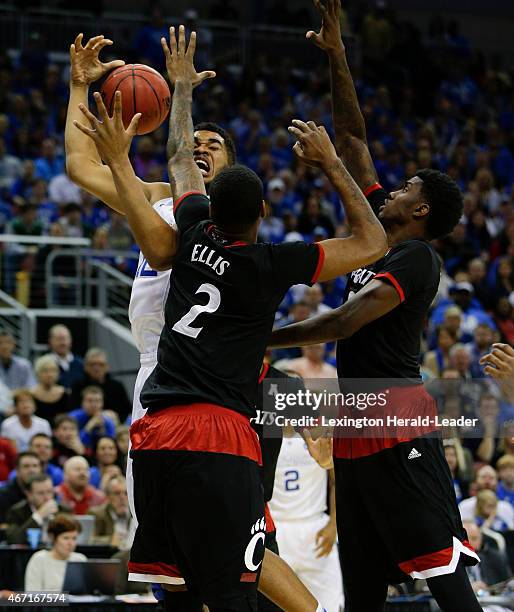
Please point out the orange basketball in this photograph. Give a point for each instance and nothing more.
(143, 91)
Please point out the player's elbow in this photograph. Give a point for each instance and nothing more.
(159, 262)
(74, 164)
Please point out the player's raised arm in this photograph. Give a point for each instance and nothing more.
(350, 129)
(185, 176)
(83, 163)
(155, 237)
(368, 242)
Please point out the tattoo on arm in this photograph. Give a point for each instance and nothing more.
(349, 125)
(347, 116)
(183, 172)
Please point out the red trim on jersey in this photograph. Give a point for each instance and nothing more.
(199, 427)
(321, 261)
(439, 558)
(249, 577)
(183, 197)
(157, 568)
(371, 189)
(237, 243)
(270, 523)
(394, 282)
(401, 402)
(265, 368)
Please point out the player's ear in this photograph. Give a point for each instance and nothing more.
(263, 209)
(421, 210)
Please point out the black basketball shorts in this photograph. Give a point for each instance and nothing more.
(199, 503)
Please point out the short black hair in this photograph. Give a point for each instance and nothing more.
(208, 126)
(26, 454)
(236, 198)
(445, 200)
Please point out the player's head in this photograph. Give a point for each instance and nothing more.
(237, 198)
(214, 150)
(430, 198)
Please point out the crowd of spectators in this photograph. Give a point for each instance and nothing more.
(63, 453)
(429, 100)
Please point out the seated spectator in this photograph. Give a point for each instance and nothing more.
(488, 515)
(28, 464)
(46, 568)
(312, 364)
(112, 520)
(62, 190)
(313, 296)
(498, 514)
(49, 164)
(454, 454)
(438, 360)
(504, 319)
(106, 457)
(51, 398)
(298, 312)
(10, 167)
(23, 424)
(96, 372)
(505, 489)
(312, 217)
(41, 444)
(472, 312)
(71, 367)
(493, 567)
(122, 442)
(15, 372)
(5, 401)
(66, 440)
(75, 490)
(483, 337)
(484, 440)
(92, 423)
(26, 223)
(35, 512)
(7, 458)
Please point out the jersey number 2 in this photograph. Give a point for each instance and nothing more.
(183, 325)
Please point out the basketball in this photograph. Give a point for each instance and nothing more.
(143, 91)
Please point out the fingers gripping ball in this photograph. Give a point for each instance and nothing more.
(143, 90)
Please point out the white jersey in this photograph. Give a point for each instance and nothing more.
(148, 297)
(300, 490)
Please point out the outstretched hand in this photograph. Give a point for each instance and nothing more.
(329, 37)
(179, 60)
(86, 66)
(313, 145)
(108, 133)
(499, 363)
(320, 450)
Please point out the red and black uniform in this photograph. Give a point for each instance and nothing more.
(197, 486)
(396, 509)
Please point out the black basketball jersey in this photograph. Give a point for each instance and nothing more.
(266, 413)
(220, 311)
(389, 347)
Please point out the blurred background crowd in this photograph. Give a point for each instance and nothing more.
(429, 98)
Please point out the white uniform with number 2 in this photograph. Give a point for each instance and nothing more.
(298, 508)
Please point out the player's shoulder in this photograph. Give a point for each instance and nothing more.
(416, 249)
(164, 209)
